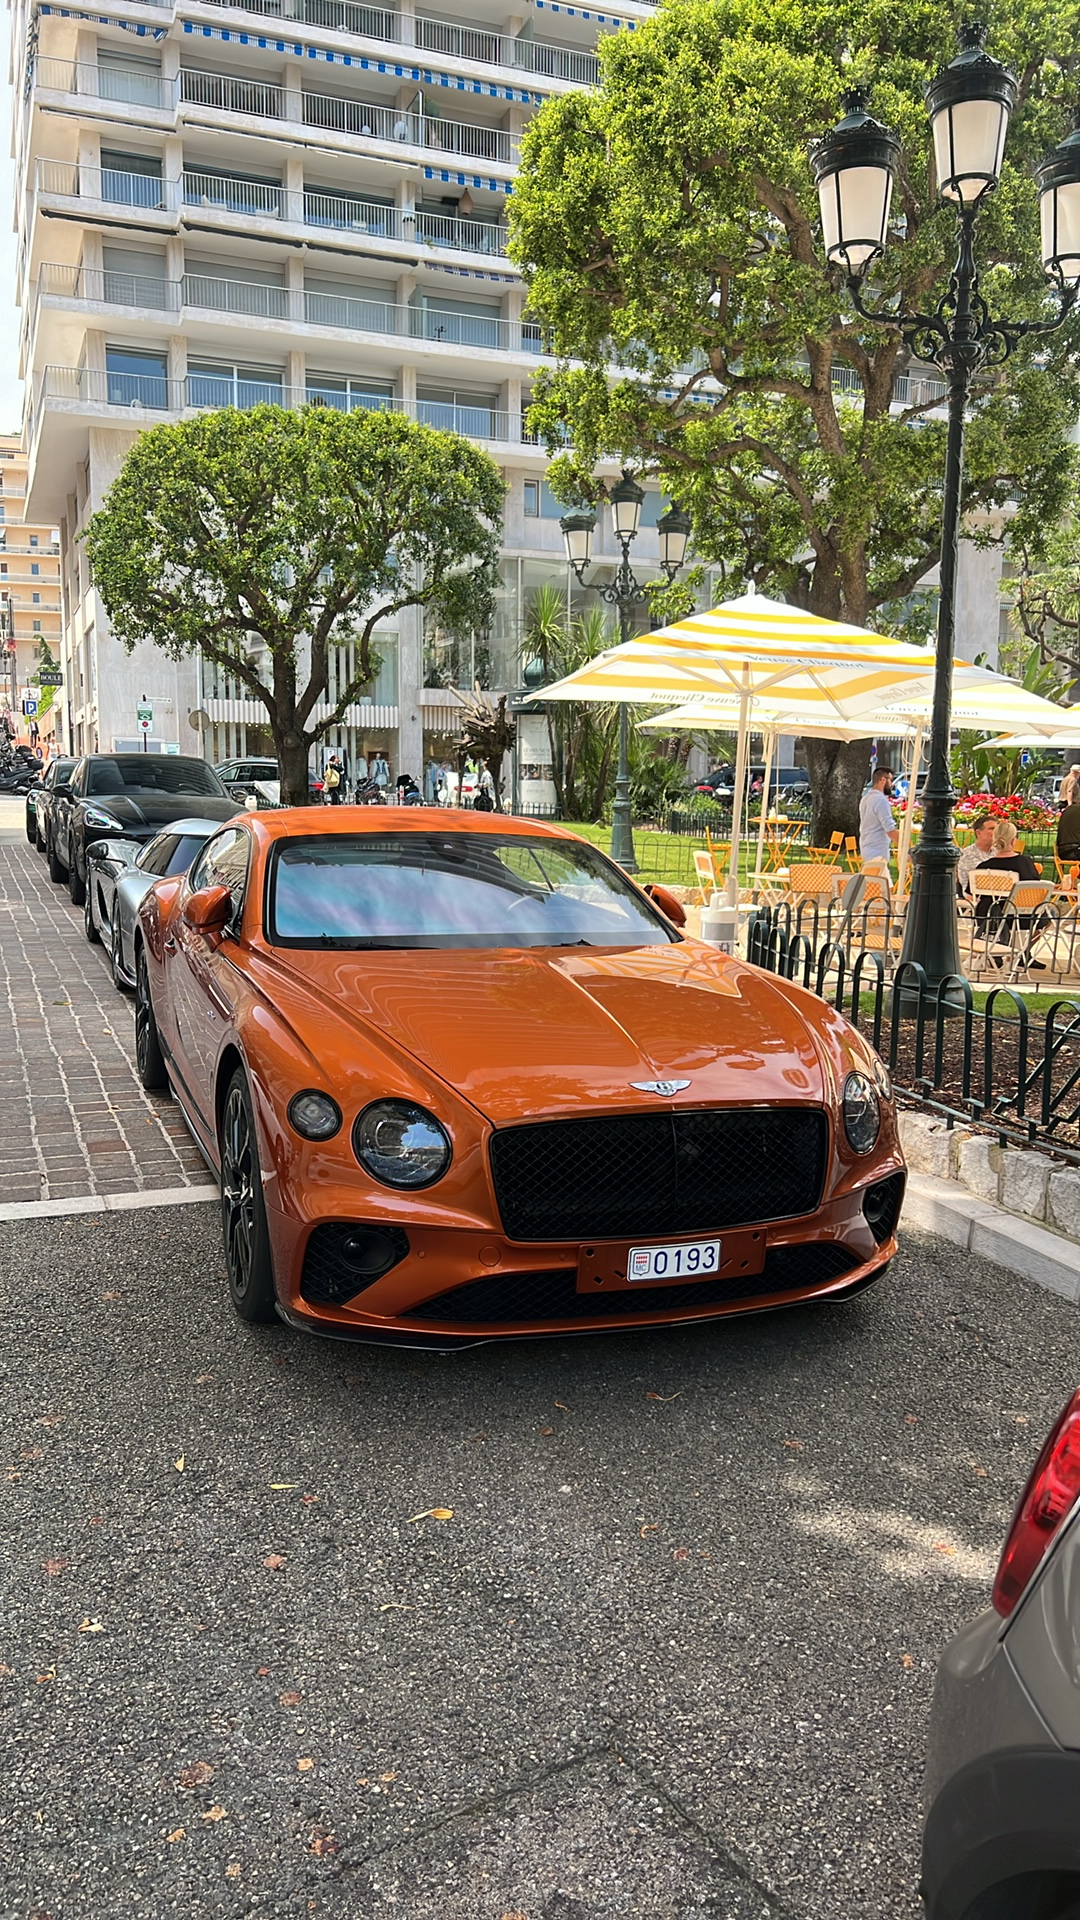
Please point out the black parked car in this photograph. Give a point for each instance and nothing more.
(128, 796)
(37, 800)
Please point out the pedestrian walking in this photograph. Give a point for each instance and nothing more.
(333, 779)
(878, 831)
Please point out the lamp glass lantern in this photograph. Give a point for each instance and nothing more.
(854, 167)
(1059, 210)
(626, 499)
(674, 530)
(577, 533)
(969, 103)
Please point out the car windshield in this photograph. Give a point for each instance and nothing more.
(153, 773)
(453, 890)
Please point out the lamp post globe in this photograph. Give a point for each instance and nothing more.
(969, 103)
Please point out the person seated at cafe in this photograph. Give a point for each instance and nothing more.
(1005, 857)
(1067, 841)
(977, 854)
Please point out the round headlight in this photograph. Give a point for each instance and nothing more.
(314, 1115)
(862, 1112)
(402, 1145)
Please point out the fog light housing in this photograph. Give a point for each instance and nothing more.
(313, 1115)
(343, 1258)
(862, 1112)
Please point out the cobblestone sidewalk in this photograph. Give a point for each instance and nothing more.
(75, 1119)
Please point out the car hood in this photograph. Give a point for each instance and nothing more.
(135, 813)
(532, 1032)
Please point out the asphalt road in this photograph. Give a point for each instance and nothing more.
(670, 1654)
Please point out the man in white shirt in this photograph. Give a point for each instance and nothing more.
(973, 856)
(878, 832)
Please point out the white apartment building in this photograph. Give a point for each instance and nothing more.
(29, 601)
(229, 201)
(282, 200)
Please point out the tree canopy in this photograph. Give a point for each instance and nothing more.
(276, 542)
(667, 224)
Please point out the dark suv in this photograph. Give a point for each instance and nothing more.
(129, 796)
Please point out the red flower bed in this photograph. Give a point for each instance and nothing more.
(1024, 813)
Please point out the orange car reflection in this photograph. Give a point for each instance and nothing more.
(461, 1079)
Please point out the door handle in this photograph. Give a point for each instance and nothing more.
(169, 943)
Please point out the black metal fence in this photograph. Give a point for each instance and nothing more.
(1001, 1067)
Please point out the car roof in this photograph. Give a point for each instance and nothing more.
(287, 823)
(190, 826)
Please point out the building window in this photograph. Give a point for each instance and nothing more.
(136, 379)
(348, 391)
(540, 502)
(34, 567)
(221, 383)
(36, 599)
(37, 626)
(33, 539)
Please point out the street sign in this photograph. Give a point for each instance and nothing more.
(145, 716)
(50, 677)
(1025, 759)
(29, 706)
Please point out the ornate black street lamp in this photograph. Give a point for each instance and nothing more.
(625, 592)
(855, 165)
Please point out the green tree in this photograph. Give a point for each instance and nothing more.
(300, 530)
(667, 226)
(583, 734)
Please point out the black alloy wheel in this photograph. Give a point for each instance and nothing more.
(243, 1211)
(149, 1059)
(57, 869)
(116, 953)
(90, 925)
(76, 886)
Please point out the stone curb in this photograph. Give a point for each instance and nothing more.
(942, 1207)
(106, 1203)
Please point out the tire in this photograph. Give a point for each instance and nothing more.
(90, 925)
(39, 837)
(248, 1261)
(149, 1059)
(118, 980)
(31, 827)
(76, 887)
(57, 869)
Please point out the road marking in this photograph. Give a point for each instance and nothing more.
(107, 1203)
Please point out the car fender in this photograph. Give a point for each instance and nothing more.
(1007, 1817)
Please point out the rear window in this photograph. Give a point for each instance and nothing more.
(453, 890)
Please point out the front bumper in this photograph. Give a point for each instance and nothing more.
(1001, 1794)
(455, 1286)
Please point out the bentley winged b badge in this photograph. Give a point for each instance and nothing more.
(665, 1088)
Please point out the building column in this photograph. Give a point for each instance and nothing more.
(177, 369)
(407, 389)
(294, 189)
(172, 167)
(292, 81)
(294, 287)
(295, 379)
(410, 681)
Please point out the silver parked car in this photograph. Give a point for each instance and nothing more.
(1002, 1834)
(119, 873)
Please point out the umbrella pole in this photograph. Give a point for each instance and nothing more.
(904, 848)
(742, 752)
(770, 749)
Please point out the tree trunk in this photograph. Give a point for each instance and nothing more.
(292, 758)
(838, 774)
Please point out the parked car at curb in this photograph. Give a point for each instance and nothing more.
(128, 796)
(242, 777)
(37, 800)
(120, 873)
(464, 1081)
(1002, 1833)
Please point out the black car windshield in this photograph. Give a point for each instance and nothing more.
(152, 773)
(453, 890)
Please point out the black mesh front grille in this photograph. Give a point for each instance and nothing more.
(653, 1174)
(516, 1298)
(343, 1258)
(881, 1206)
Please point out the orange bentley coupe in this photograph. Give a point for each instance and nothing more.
(461, 1079)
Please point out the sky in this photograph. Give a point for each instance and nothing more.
(10, 384)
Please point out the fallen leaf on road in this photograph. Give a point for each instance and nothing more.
(396, 1606)
(87, 1625)
(664, 1396)
(48, 1420)
(911, 1419)
(53, 1567)
(681, 1553)
(794, 1446)
(214, 1813)
(275, 1561)
(942, 1546)
(283, 1486)
(304, 1766)
(289, 1699)
(561, 1407)
(31, 1453)
(262, 1672)
(906, 1660)
(388, 1776)
(176, 1834)
(5, 1671)
(202, 1379)
(112, 1296)
(179, 1464)
(232, 1871)
(547, 1430)
(642, 1531)
(431, 1513)
(1021, 1419)
(324, 1843)
(50, 1674)
(310, 1500)
(197, 1774)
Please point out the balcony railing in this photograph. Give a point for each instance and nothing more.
(226, 94)
(152, 393)
(455, 42)
(131, 88)
(351, 313)
(344, 213)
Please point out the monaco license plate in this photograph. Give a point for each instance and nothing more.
(674, 1260)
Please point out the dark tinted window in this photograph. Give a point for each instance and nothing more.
(58, 770)
(154, 773)
(155, 857)
(454, 890)
(184, 852)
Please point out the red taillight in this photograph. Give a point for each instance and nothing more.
(1052, 1491)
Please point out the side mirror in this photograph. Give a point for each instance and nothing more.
(62, 790)
(667, 904)
(208, 910)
